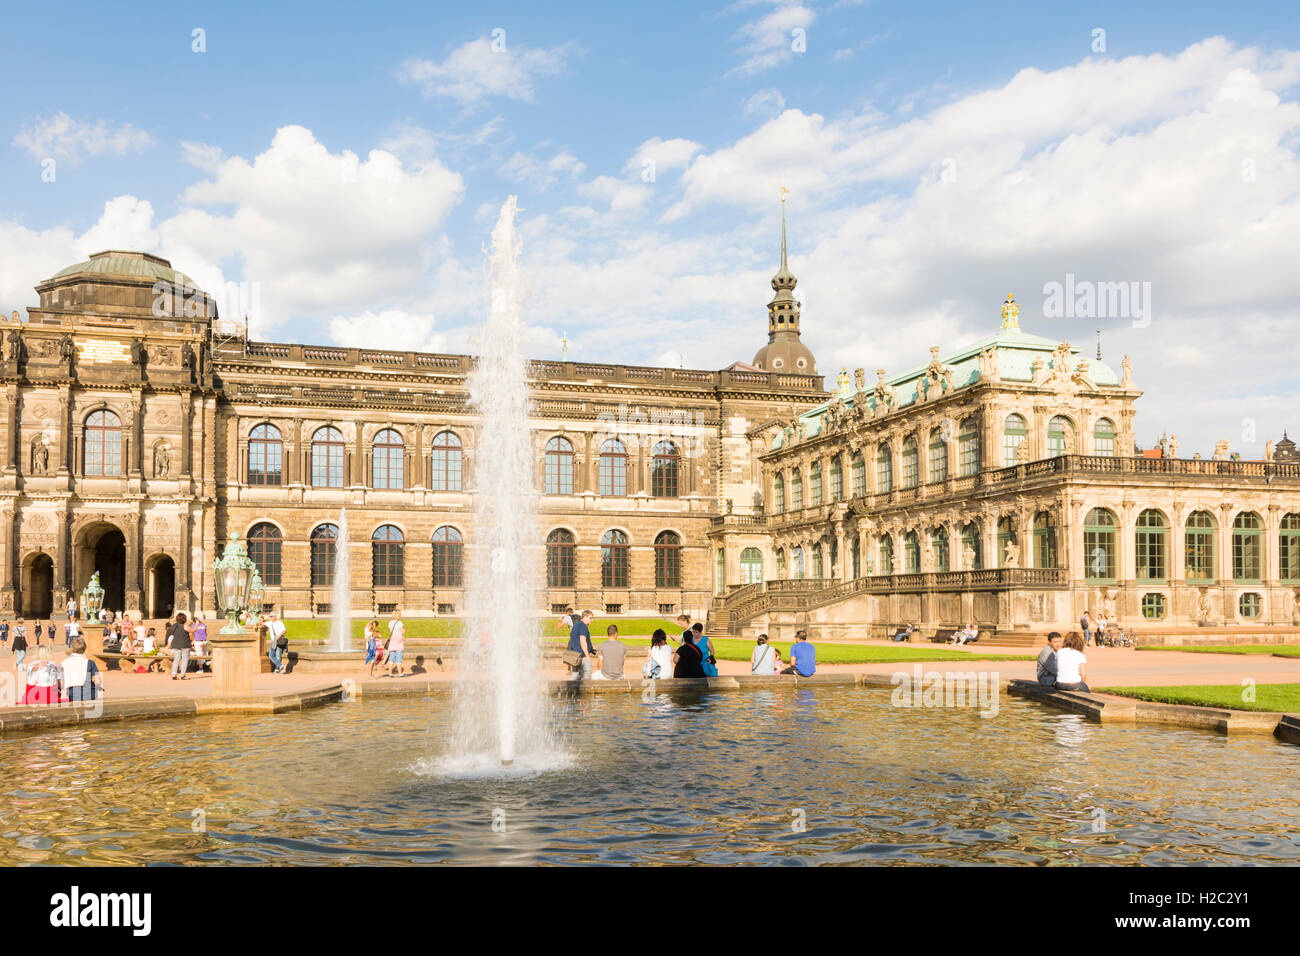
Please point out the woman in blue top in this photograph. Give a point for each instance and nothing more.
(709, 661)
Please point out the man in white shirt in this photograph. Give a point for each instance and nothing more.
(275, 630)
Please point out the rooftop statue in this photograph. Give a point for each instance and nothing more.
(1010, 313)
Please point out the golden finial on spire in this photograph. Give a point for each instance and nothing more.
(1010, 313)
(784, 192)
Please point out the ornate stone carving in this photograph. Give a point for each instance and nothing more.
(1173, 446)
(1011, 555)
(1205, 605)
(1126, 381)
(38, 523)
(1022, 451)
(40, 457)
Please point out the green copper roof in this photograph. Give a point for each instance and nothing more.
(136, 265)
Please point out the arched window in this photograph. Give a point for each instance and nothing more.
(751, 566)
(885, 547)
(1044, 540)
(939, 545)
(911, 553)
(859, 475)
(264, 551)
(560, 549)
(968, 448)
(778, 493)
(1288, 563)
(1199, 548)
(817, 560)
(387, 553)
(612, 471)
(1006, 535)
(796, 491)
(387, 464)
(796, 558)
(664, 469)
(1151, 546)
(837, 479)
(972, 546)
(1103, 438)
(780, 563)
(1013, 433)
(102, 445)
(910, 462)
(265, 457)
(1057, 431)
(937, 455)
(720, 572)
(446, 460)
(327, 458)
(1099, 545)
(1247, 548)
(559, 466)
(815, 484)
(855, 556)
(324, 544)
(448, 558)
(884, 470)
(613, 559)
(668, 561)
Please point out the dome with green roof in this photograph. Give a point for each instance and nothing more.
(137, 265)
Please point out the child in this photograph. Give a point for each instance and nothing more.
(374, 651)
(4, 632)
(776, 668)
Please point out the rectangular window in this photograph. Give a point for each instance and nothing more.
(265, 463)
(451, 609)
(667, 608)
(837, 481)
(613, 609)
(559, 473)
(859, 476)
(1199, 549)
(327, 466)
(968, 447)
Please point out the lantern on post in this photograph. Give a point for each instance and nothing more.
(256, 593)
(92, 598)
(233, 573)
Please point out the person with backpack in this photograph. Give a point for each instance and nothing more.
(688, 661)
(763, 660)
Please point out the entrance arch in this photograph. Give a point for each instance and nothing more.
(102, 548)
(38, 586)
(160, 599)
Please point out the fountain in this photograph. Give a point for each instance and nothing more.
(501, 705)
(341, 602)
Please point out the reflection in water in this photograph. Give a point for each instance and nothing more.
(712, 778)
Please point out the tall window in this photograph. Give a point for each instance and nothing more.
(388, 461)
(855, 554)
(751, 566)
(1247, 547)
(910, 464)
(559, 466)
(817, 560)
(1057, 430)
(612, 471)
(968, 447)
(1151, 546)
(780, 563)
(778, 493)
(102, 445)
(815, 484)
(1099, 545)
(884, 470)
(937, 455)
(324, 543)
(837, 479)
(327, 458)
(387, 556)
(911, 553)
(1013, 433)
(613, 559)
(264, 551)
(664, 469)
(720, 572)
(1288, 563)
(448, 558)
(265, 457)
(1006, 535)
(560, 548)
(796, 558)
(1103, 438)
(1044, 540)
(885, 549)
(446, 460)
(796, 491)
(1198, 546)
(859, 475)
(971, 543)
(939, 544)
(668, 560)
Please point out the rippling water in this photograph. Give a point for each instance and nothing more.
(714, 778)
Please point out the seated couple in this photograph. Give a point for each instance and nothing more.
(766, 659)
(966, 635)
(1062, 664)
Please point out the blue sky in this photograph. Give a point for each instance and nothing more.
(347, 163)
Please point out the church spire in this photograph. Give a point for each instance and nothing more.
(784, 352)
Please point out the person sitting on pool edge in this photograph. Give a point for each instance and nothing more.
(1072, 665)
(1047, 659)
(803, 656)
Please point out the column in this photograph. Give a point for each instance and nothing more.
(187, 433)
(61, 457)
(6, 559)
(135, 431)
(62, 548)
(359, 464)
(295, 453)
(1225, 545)
(11, 430)
(415, 477)
(845, 559)
(956, 560)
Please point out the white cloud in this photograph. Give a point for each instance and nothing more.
(203, 156)
(541, 174)
(389, 329)
(72, 141)
(661, 155)
(476, 70)
(765, 103)
(620, 195)
(769, 40)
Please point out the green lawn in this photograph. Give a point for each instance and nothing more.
(1285, 650)
(1273, 697)
(318, 629)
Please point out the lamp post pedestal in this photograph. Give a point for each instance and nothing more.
(234, 661)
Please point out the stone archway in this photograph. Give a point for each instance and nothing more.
(160, 594)
(102, 547)
(38, 586)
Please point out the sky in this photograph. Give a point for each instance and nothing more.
(334, 171)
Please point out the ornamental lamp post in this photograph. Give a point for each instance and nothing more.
(92, 599)
(256, 593)
(234, 650)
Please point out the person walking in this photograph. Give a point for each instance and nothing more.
(277, 633)
(396, 645)
(20, 645)
(72, 609)
(4, 633)
(1085, 624)
(178, 639)
(580, 641)
(374, 648)
(71, 631)
(1047, 659)
(707, 659)
(763, 659)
